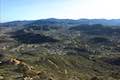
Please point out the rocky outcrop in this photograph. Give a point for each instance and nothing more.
(29, 72)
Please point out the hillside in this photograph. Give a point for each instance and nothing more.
(55, 49)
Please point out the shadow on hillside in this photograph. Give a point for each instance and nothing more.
(113, 61)
(31, 38)
(100, 40)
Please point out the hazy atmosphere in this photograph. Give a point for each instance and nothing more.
(73, 9)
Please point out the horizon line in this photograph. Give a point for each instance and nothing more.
(61, 19)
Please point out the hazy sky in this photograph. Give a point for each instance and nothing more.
(73, 9)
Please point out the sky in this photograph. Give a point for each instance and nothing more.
(11, 10)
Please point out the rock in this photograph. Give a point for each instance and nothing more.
(4, 48)
(28, 78)
(1, 78)
(0, 62)
(18, 76)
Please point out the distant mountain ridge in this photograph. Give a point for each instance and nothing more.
(62, 22)
(14, 23)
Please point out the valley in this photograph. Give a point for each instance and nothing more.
(55, 49)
